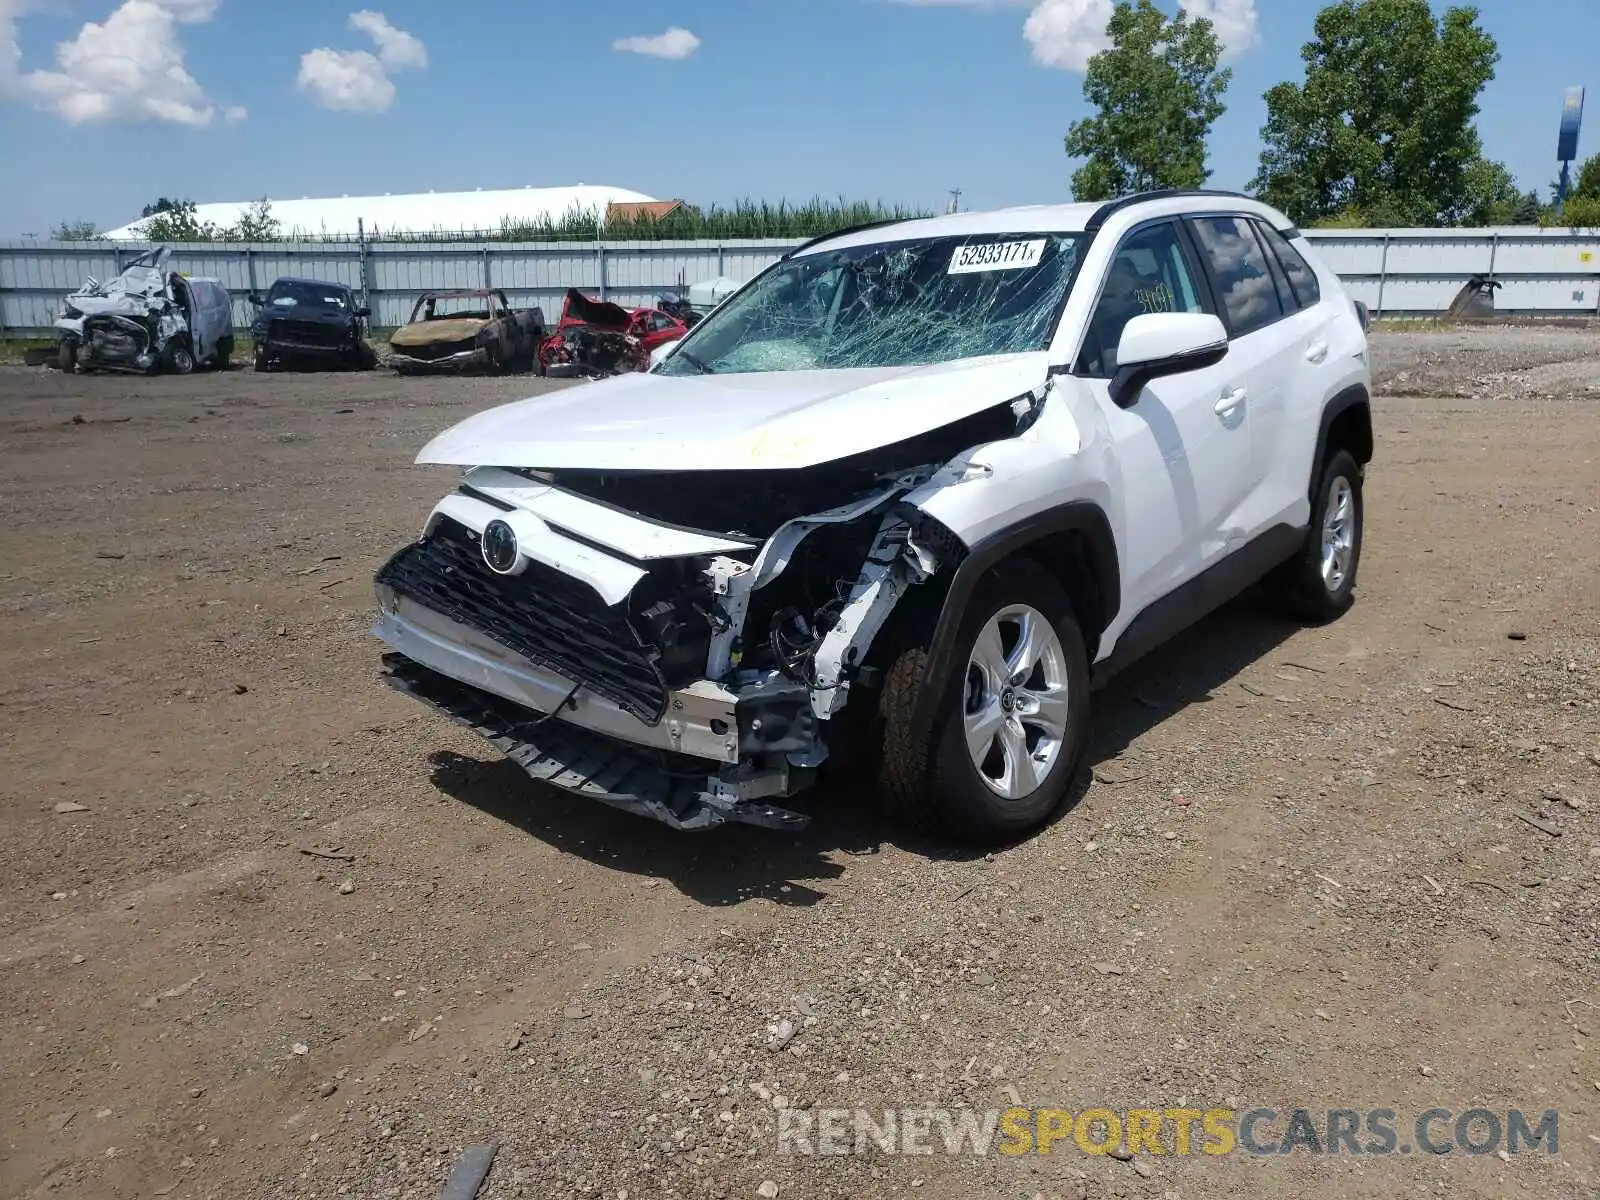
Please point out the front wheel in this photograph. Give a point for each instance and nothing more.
(181, 359)
(1318, 583)
(67, 360)
(1010, 724)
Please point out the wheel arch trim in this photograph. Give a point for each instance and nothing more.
(1355, 396)
(1083, 517)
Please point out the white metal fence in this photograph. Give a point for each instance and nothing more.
(1399, 272)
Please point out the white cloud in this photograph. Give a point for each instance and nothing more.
(1068, 33)
(347, 80)
(397, 49)
(235, 112)
(128, 68)
(1235, 20)
(674, 43)
(358, 80)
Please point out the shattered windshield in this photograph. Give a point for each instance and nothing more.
(288, 293)
(889, 305)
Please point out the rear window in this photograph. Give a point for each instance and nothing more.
(1302, 279)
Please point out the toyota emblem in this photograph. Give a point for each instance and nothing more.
(500, 547)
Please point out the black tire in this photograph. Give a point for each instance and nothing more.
(928, 778)
(67, 357)
(224, 359)
(180, 357)
(1300, 584)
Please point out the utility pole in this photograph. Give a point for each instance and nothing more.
(955, 200)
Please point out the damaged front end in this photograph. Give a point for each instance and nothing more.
(665, 593)
(680, 645)
(143, 320)
(594, 338)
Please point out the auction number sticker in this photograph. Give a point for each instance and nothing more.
(996, 256)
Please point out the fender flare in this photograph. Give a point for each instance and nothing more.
(1077, 516)
(1342, 402)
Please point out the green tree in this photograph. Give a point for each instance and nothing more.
(1587, 182)
(163, 205)
(256, 224)
(1158, 91)
(75, 231)
(1384, 118)
(1582, 212)
(1492, 195)
(176, 221)
(1529, 210)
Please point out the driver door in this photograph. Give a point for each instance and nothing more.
(1183, 444)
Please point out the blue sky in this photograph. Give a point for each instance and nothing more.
(883, 99)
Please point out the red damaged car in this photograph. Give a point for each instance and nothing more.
(597, 337)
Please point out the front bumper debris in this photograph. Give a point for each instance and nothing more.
(582, 763)
(459, 361)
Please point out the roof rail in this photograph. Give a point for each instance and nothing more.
(862, 228)
(1106, 211)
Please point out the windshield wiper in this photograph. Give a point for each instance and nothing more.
(696, 362)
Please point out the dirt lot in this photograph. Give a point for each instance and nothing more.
(1302, 875)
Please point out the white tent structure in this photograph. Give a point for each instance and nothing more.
(420, 213)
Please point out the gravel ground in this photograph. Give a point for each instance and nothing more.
(1349, 867)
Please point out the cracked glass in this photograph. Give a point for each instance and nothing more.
(892, 304)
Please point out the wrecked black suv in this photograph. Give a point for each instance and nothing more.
(309, 323)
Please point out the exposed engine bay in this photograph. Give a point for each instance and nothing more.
(146, 319)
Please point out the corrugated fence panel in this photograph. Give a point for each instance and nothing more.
(1397, 272)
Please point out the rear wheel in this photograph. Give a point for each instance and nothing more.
(1318, 583)
(1009, 725)
(224, 358)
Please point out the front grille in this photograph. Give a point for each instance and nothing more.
(433, 351)
(305, 333)
(549, 618)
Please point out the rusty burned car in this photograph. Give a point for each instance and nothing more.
(467, 330)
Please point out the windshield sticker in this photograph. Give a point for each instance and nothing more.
(996, 256)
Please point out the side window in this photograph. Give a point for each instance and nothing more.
(1302, 279)
(1239, 269)
(1150, 274)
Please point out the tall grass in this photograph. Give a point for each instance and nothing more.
(744, 219)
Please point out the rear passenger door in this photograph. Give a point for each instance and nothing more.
(1281, 444)
(1262, 355)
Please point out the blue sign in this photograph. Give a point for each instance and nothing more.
(1571, 123)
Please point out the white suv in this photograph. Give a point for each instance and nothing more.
(917, 487)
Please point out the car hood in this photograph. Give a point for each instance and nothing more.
(767, 420)
(425, 333)
(579, 309)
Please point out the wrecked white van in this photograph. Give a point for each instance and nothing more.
(147, 320)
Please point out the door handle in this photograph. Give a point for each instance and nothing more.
(1317, 352)
(1230, 401)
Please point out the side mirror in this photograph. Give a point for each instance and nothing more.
(1158, 344)
(255, 298)
(363, 311)
(661, 353)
